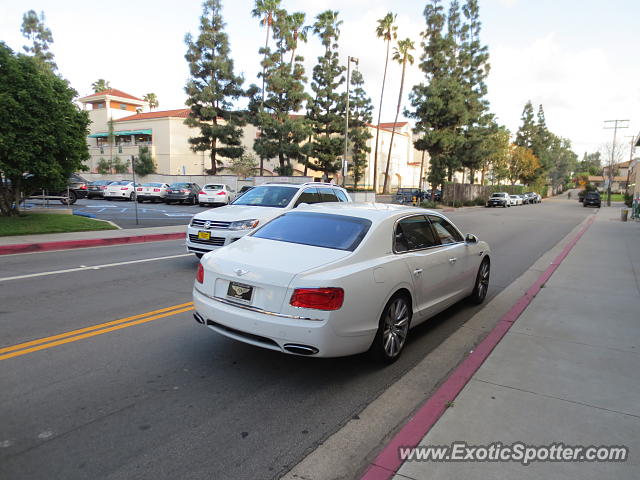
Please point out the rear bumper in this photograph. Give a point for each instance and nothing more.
(275, 331)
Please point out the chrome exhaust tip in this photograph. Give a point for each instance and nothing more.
(300, 349)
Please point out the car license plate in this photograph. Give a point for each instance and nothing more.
(240, 291)
(204, 235)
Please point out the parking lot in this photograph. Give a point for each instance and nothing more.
(123, 213)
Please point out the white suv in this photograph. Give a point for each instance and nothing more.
(221, 226)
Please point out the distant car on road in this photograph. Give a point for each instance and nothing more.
(408, 195)
(515, 200)
(533, 197)
(592, 198)
(122, 190)
(182, 192)
(96, 188)
(152, 191)
(216, 194)
(218, 227)
(333, 279)
(437, 196)
(499, 199)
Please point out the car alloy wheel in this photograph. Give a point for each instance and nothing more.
(393, 329)
(482, 283)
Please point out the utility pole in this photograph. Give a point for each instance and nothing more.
(346, 122)
(631, 149)
(616, 125)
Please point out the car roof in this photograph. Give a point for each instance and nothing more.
(299, 185)
(372, 211)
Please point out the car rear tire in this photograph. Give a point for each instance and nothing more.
(393, 329)
(482, 283)
(71, 199)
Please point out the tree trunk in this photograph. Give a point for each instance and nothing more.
(393, 132)
(375, 156)
(472, 176)
(421, 170)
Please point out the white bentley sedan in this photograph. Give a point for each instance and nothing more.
(330, 280)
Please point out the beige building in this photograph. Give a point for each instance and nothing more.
(166, 136)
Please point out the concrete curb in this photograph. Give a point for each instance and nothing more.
(91, 242)
(388, 462)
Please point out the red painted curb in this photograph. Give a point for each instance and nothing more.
(388, 462)
(95, 242)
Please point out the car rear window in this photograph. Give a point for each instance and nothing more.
(152, 184)
(337, 232)
(121, 183)
(267, 196)
(180, 185)
(213, 187)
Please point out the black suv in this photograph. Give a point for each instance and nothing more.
(591, 198)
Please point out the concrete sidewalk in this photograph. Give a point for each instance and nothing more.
(64, 241)
(568, 370)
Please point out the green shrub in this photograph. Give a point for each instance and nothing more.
(428, 204)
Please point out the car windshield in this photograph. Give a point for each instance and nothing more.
(267, 196)
(337, 232)
(211, 186)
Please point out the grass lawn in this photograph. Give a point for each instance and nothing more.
(34, 223)
(615, 197)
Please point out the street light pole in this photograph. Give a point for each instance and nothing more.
(135, 191)
(346, 122)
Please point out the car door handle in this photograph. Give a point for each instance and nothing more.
(453, 260)
(417, 271)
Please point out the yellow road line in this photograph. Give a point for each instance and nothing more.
(94, 330)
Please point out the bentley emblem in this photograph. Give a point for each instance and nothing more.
(207, 224)
(240, 272)
(240, 291)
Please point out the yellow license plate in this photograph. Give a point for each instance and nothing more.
(204, 235)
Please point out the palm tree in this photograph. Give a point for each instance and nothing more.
(327, 26)
(100, 85)
(298, 31)
(387, 31)
(152, 100)
(264, 10)
(402, 56)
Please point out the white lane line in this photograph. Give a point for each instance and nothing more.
(94, 267)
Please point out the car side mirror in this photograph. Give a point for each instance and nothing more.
(470, 238)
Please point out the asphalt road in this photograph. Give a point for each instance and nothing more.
(166, 397)
(123, 212)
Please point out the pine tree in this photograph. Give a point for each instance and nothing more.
(360, 114)
(439, 104)
(144, 164)
(281, 131)
(34, 29)
(212, 88)
(526, 132)
(326, 111)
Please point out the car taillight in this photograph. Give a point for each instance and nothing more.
(104, 187)
(183, 191)
(221, 193)
(139, 189)
(156, 189)
(200, 274)
(83, 187)
(124, 188)
(202, 192)
(318, 298)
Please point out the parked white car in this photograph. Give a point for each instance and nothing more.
(218, 227)
(123, 189)
(330, 280)
(152, 191)
(216, 194)
(515, 199)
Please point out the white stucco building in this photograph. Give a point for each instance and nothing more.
(166, 136)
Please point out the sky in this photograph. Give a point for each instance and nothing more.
(578, 58)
